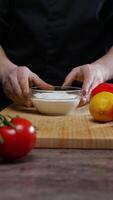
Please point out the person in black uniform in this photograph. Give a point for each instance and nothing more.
(54, 42)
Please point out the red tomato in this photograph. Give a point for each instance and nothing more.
(17, 138)
(108, 87)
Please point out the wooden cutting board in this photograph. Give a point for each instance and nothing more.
(77, 130)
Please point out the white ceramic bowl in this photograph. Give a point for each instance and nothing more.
(57, 101)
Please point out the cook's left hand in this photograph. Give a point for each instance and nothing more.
(91, 75)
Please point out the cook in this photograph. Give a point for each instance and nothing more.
(47, 42)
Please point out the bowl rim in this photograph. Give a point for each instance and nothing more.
(57, 89)
(76, 90)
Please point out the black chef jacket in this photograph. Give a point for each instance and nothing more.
(53, 36)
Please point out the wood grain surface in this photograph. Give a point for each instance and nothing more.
(77, 130)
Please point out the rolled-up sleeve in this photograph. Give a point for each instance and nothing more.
(4, 12)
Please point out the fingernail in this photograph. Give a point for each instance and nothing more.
(26, 93)
(83, 92)
(65, 84)
(28, 103)
(84, 99)
(50, 87)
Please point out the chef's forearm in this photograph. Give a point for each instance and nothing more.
(106, 62)
(5, 64)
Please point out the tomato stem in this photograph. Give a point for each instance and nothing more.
(4, 121)
(10, 117)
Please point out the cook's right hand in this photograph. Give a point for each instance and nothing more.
(16, 84)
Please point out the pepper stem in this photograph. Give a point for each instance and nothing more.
(1, 140)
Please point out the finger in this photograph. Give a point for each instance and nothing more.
(82, 102)
(69, 79)
(87, 83)
(9, 92)
(27, 103)
(22, 102)
(15, 98)
(23, 79)
(40, 83)
(7, 88)
(75, 74)
(16, 87)
(94, 84)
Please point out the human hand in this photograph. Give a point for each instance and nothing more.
(16, 84)
(91, 75)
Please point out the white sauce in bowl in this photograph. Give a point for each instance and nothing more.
(55, 103)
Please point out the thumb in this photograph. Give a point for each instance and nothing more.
(40, 83)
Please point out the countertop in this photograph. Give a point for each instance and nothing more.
(50, 174)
